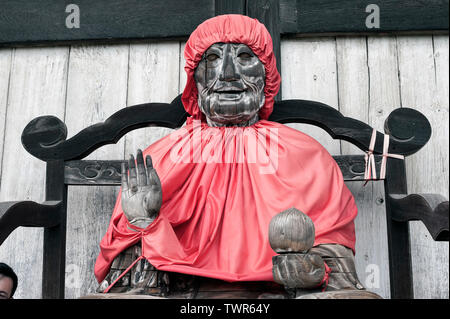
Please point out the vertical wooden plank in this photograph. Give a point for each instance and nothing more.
(268, 13)
(384, 88)
(355, 100)
(384, 97)
(97, 87)
(308, 71)
(423, 68)
(37, 86)
(153, 77)
(182, 62)
(441, 58)
(353, 82)
(5, 71)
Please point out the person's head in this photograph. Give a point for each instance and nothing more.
(8, 281)
(232, 77)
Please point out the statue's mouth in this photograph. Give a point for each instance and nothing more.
(230, 90)
(229, 93)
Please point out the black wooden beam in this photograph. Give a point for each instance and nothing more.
(431, 209)
(27, 214)
(29, 22)
(108, 173)
(52, 22)
(54, 247)
(268, 13)
(399, 248)
(229, 7)
(324, 17)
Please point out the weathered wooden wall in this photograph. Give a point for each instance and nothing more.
(364, 77)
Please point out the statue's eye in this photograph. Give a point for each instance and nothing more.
(212, 57)
(245, 55)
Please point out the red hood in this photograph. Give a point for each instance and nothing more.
(232, 28)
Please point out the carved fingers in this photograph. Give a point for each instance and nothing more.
(298, 270)
(141, 189)
(132, 178)
(139, 174)
(153, 178)
(141, 171)
(153, 198)
(124, 178)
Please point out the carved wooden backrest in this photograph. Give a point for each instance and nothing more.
(45, 136)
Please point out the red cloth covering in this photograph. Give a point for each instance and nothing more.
(222, 185)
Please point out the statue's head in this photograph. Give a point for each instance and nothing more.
(231, 72)
(230, 82)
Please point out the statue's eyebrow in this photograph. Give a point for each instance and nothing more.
(244, 48)
(216, 46)
(214, 49)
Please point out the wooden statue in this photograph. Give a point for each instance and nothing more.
(232, 83)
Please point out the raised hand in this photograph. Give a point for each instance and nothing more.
(141, 191)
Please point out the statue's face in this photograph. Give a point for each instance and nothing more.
(230, 80)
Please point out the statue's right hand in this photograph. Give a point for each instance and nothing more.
(141, 191)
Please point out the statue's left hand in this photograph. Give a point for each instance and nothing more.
(141, 191)
(298, 270)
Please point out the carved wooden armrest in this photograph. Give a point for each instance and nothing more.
(28, 214)
(431, 209)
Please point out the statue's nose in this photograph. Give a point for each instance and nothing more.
(229, 71)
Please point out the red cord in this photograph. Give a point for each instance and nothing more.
(122, 274)
(326, 277)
